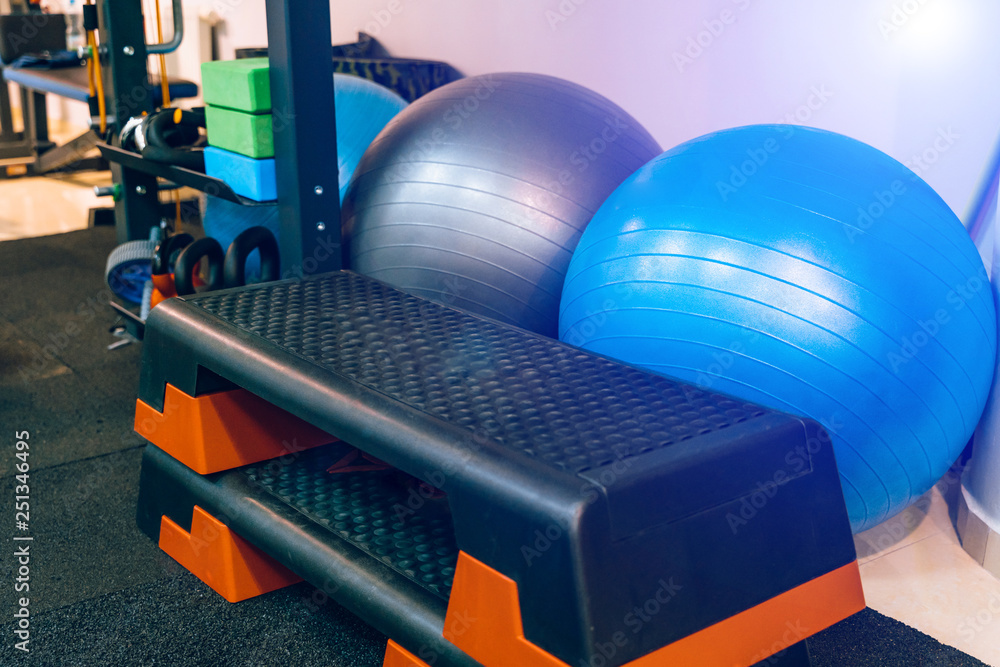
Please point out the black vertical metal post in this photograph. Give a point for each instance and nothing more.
(7, 133)
(35, 116)
(305, 139)
(128, 94)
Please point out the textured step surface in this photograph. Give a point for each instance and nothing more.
(571, 410)
(370, 510)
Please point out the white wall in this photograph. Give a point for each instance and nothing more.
(982, 477)
(911, 77)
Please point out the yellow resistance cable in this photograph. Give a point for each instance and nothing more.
(164, 85)
(165, 89)
(91, 88)
(98, 79)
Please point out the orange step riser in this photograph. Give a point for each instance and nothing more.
(484, 620)
(224, 430)
(228, 564)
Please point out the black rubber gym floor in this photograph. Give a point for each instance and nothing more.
(101, 593)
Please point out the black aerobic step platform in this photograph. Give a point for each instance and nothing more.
(618, 516)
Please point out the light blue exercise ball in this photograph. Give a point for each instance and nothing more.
(362, 108)
(808, 272)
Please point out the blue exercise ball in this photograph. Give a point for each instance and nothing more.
(362, 108)
(807, 272)
(476, 195)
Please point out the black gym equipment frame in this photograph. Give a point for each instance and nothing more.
(21, 148)
(127, 94)
(305, 140)
(305, 136)
(30, 152)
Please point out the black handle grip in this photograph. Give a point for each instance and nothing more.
(188, 260)
(165, 252)
(254, 238)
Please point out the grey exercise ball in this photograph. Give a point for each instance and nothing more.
(476, 194)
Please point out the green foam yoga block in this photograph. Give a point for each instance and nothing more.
(237, 84)
(244, 133)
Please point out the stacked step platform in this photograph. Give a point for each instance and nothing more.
(478, 493)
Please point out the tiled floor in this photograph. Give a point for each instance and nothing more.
(912, 566)
(41, 206)
(914, 570)
(52, 205)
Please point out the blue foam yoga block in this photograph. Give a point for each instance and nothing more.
(248, 177)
